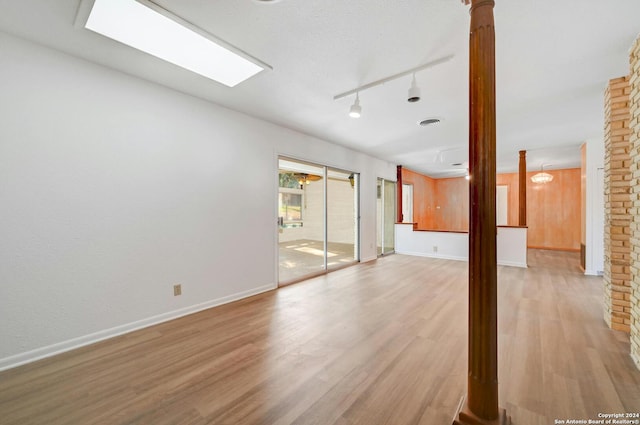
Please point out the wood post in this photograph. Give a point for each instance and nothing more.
(481, 406)
(522, 189)
(399, 180)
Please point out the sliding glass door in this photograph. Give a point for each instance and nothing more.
(386, 216)
(317, 219)
(342, 214)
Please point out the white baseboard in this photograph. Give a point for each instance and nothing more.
(439, 256)
(512, 264)
(71, 344)
(456, 258)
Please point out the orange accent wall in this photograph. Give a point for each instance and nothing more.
(424, 194)
(553, 209)
(452, 204)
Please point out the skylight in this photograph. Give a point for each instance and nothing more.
(143, 28)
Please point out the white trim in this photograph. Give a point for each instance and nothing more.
(441, 257)
(71, 344)
(513, 264)
(454, 258)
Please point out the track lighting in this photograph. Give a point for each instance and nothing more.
(414, 91)
(356, 109)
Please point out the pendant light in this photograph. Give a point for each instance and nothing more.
(542, 177)
(356, 109)
(414, 91)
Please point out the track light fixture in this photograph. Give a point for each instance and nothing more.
(414, 91)
(356, 110)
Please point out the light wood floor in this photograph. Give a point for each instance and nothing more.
(378, 343)
(300, 258)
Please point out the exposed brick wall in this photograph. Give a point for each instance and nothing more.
(634, 124)
(617, 228)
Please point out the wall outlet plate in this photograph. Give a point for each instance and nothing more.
(177, 290)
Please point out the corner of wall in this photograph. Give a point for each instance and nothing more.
(618, 205)
(634, 124)
(617, 188)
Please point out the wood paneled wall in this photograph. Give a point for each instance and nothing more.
(452, 204)
(424, 198)
(553, 209)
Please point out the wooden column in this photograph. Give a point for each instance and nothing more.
(399, 180)
(522, 189)
(481, 405)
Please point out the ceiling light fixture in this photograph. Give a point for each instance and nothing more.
(145, 26)
(356, 110)
(542, 177)
(414, 91)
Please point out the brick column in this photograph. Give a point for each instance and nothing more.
(634, 124)
(617, 227)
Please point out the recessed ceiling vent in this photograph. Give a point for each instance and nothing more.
(429, 121)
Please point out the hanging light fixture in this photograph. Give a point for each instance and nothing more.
(414, 91)
(542, 177)
(303, 178)
(356, 109)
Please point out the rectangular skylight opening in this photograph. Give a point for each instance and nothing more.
(167, 37)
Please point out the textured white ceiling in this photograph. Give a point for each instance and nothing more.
(553, 61)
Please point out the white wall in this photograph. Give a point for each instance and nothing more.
(595, 207)
(445, 245)
(511, 244)
(112, 189)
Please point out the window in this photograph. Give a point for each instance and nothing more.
(290, 203)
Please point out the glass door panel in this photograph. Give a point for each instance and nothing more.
(301, 225)
(342, 218)
(385, 216)
(379, 215)
(389, 217)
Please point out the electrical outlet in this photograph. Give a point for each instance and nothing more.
(177, 290)
(435, 248)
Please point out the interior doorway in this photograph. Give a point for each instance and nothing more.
(502, 205)
(318, 220)
(407, 203)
